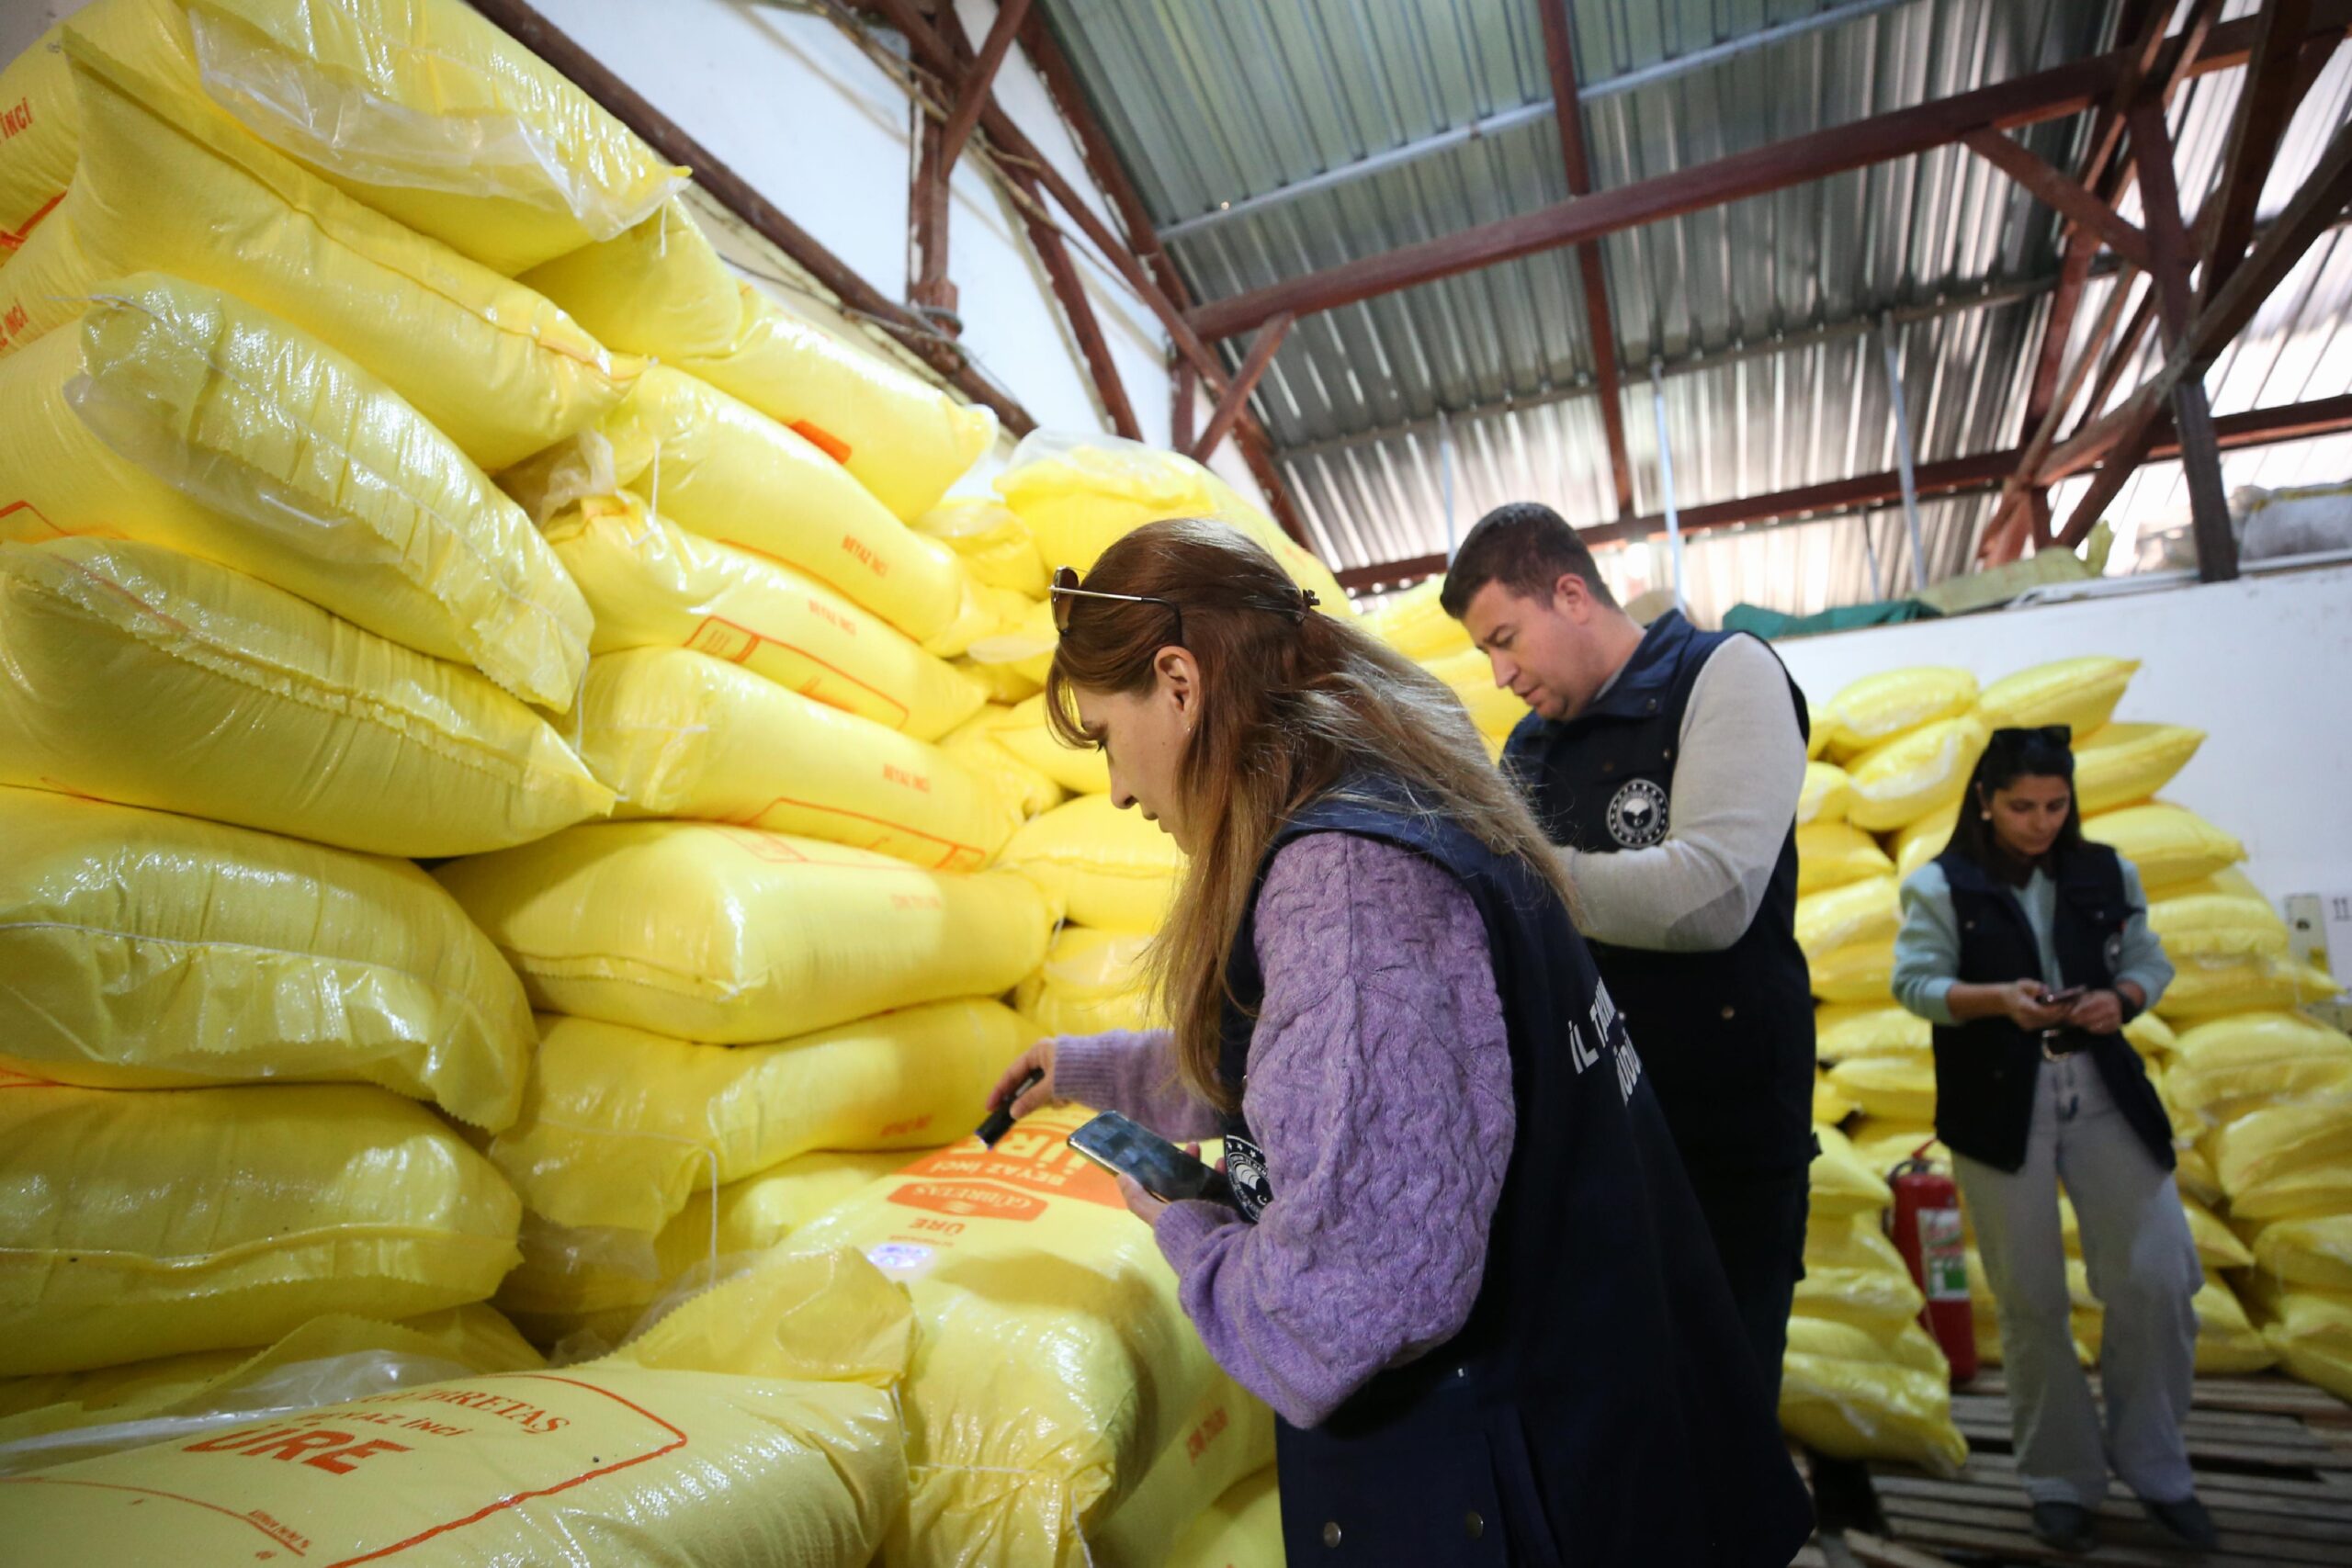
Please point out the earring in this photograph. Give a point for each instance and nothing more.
(1984, 817)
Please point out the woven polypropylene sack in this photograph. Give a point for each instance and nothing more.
(2256, 1155)
(1862, 973)
(178, 414)
(662, 290)
(1415, 624)
(1878, 708)
(1855, 1394)
(1137, 1533)
(718, 466)
(138, 676)
(168, 188)
(1103, 868)
(1832, 854)
(2167, 845)
(2228, 1344)
(1022, 730)
(1853, 1274)
(974, 744)
(1242, 1529)
(2206, 988)
(1826, 794)
(134, 1225)
(2311, 1333)
(2124, 765)
(1860, 911)
(2227, 1065)
(2312, 1251)
(1829, 1106)
(621, 1127)
(64, 1416)
(732, 935)
(1494, 711)
(678, 733)
(142, 950)
(696, 1450)
(421, 108)
(2078, 692)
(1917, 776)
(2223, 916)
(42, 129)
(653, 585)
(1841, 1182)
(996, 546)
(1901, 1086)
(1056, 1362)
(1843, 1032)
(1923, 841)
(1092, 981)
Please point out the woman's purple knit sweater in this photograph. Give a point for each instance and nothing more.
(1379, 1086)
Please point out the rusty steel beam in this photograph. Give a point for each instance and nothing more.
(2266, 100)
(1559, 56)
(929, 288)
(978, 79)
(1954, 476)
(1236, 396)
(2045, 95)
(1102, 159)
(1183, 399)
(664, 135)
(2055, 189)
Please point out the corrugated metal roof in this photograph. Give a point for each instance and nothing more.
(1764, 313)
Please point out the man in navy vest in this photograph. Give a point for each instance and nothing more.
(1666, 765)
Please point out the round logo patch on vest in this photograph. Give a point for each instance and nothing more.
(1245, 1168)
(1637, 817)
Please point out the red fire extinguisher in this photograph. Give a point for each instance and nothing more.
(1925, 1223)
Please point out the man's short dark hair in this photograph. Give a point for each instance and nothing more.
(1527, 547)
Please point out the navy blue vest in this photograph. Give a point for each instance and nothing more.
(1727, 1035)
(1602, 1403)
(1986, 1071)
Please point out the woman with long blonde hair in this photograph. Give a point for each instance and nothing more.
(1463, 1263)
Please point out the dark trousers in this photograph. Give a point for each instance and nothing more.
(1759, 1225)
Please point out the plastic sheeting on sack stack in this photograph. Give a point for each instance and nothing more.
(1055, 1365)
(177, 414)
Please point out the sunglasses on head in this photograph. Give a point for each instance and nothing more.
(1066, 592)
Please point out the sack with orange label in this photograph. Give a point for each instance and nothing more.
(1034, 1413)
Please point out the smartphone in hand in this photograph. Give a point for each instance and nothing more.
(1164, 1170)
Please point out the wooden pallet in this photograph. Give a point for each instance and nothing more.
(2273, 1461)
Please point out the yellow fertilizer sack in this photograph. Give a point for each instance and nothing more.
(1034, 1410)
(141, 949)
(2150, 1035)
(1922, 773)
(2314, 1250)
(2124, 765)
(1137, 1534)
(2311, 1332)
(1103, 867)
(55, 1419)
(1883, 1143)
(1839, 917)
(1832, 854)
(2223, 916)
(420, 108)
(996, 546)
(1242, 1529)
(1876, 709)
(1022, 731)
(1493, 709)
(676, 733)
(2226, 1066)
(662, 290)
(1923, 841)
(653, 585)
(39, 129)
(717, 467)
(135, 1226)
(2196, 1177)
(1853, 1274)
(2208, 987)
(731, 935)
(1842, 1183)
(1829, 1106)
(1827, 793)
(1862, 973)
(2080, 692)
(1090, 982)
(570, 1281)
(2169, 845)
(693, 1449)
(1845, 1031)
(974, 744)
(1416, 624)
(175, 188)
(2257, 1156)
(138, 676)
(177, 413)
(2227, 1344)
(620, 1126)
(1854, 1394)
(1902, 1088)
(2218, 1246)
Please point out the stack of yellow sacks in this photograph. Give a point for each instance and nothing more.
(1416, 624)
(2237, 1067)
(268, 632)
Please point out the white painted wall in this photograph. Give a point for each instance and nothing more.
(2263, 665)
